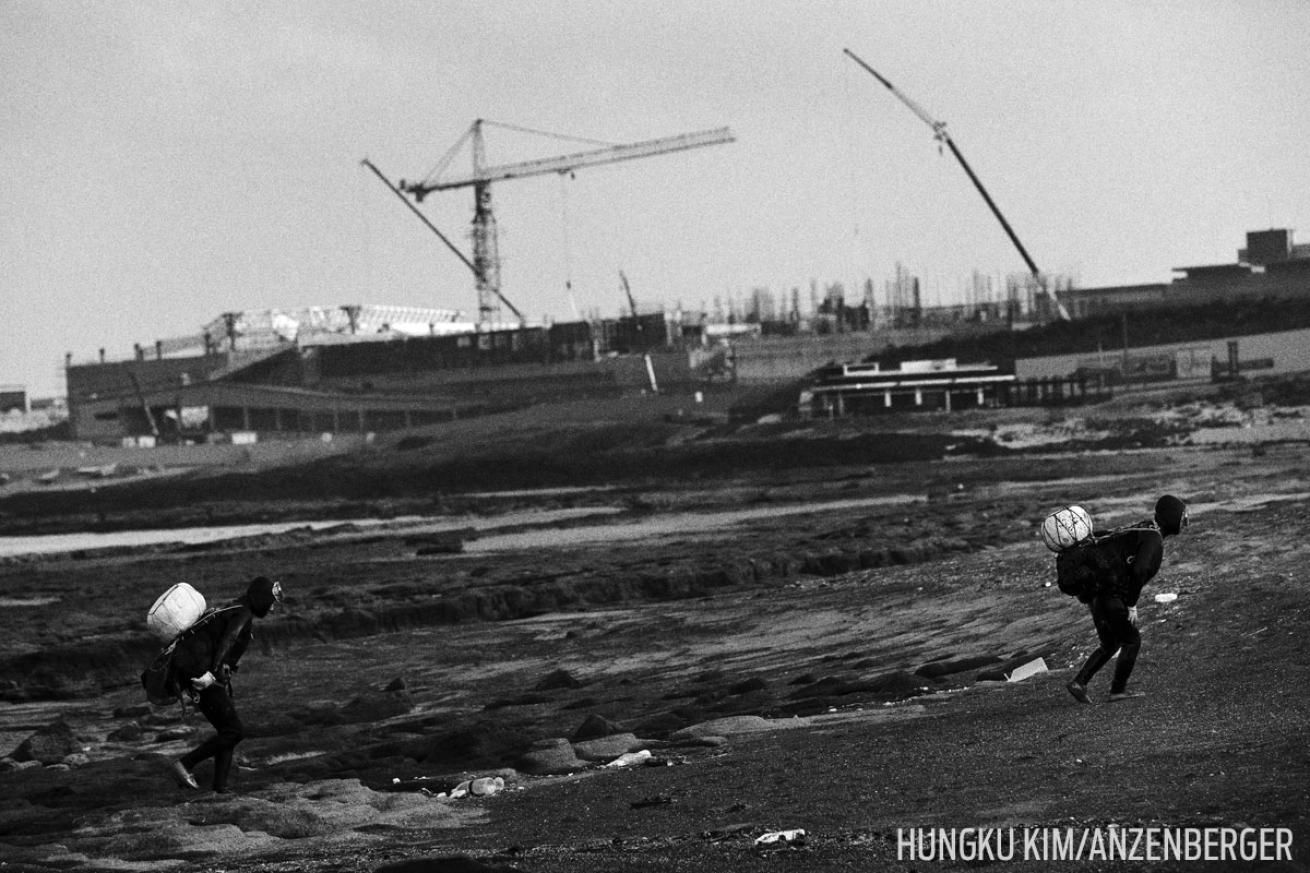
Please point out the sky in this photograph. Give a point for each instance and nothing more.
(165, 161)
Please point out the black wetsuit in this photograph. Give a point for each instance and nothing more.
(215, 646)
(1140, 550)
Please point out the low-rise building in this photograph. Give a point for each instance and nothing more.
(857, 388)
(1272, 266)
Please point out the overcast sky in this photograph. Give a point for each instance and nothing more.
(164, 162)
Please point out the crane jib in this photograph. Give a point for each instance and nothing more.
(591, 158)
(485, 263)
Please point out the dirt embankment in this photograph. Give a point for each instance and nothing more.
(630, 445)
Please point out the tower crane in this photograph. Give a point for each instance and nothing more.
(939, 133)
(485, 263)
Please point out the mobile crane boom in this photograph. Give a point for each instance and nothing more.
(940, 134)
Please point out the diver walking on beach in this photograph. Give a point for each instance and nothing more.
(204, 662)
(1136, 555)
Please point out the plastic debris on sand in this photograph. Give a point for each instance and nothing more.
(792, 836)
(631, 758)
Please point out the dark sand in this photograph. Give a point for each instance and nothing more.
(833, 671)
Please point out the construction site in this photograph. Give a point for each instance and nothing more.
(1031, 338)
(360, 369)
(755, 584)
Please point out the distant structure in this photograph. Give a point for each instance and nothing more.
(296, 372)
(13, 398)
(20, 412)
(1271, 266)
(359, 369)
(843, 389)
(265, 328)
(485, 263)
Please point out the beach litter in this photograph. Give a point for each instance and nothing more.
(630, 758)
(796, 835)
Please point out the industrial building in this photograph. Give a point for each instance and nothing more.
(268, 373)
(13, 398)
(359, 369)
(1272, 266)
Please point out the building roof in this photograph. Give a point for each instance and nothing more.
(1292, 265)
(1215, 270)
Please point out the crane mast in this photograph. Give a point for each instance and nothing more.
(485, 262)
(486, 254)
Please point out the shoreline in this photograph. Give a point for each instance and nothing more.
(872, 631)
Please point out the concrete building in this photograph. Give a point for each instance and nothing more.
(13, 398)
(1196, 361)
(1272, 266)
(265, 377)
